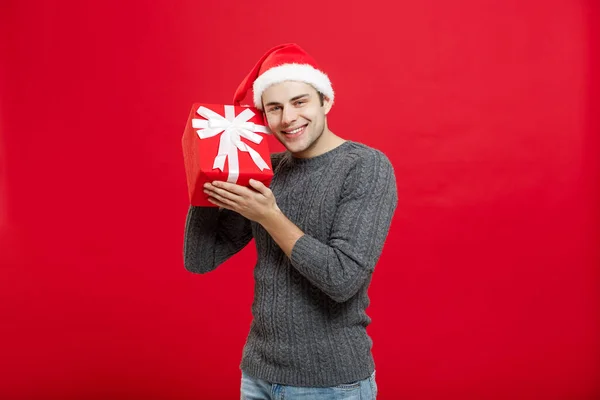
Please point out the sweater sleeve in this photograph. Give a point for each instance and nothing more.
(212, 236)
(363, 216)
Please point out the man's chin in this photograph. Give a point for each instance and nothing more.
(294, 148)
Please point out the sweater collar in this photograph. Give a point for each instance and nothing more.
(321, 158)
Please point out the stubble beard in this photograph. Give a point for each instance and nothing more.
(315, 140)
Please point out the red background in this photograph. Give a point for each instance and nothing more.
(488, 286)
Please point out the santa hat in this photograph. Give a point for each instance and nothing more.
(286, 62)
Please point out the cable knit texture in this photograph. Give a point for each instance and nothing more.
(309, 320)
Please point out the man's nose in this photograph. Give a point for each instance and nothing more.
(289, 115)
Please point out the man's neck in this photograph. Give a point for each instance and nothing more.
(327, 142)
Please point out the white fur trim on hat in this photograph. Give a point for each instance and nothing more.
(291, 72)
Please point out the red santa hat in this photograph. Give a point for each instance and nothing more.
(286, 62)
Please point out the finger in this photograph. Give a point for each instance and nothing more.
(223, 193)
(259, 187)
(216, 184)
(231, 187)
(218, 203)
(223, 198)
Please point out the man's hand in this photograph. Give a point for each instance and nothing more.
(256, 205)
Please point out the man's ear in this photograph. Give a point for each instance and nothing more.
(327, 104)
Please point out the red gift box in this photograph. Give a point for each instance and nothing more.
(225, 143)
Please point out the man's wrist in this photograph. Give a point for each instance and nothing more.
(271, 218)
(283, 231)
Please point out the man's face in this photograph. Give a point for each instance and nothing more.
(296, 117)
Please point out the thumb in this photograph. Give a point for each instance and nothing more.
(259, 186)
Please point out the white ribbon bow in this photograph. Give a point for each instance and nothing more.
(233, 128)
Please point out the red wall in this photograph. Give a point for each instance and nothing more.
(488, 286)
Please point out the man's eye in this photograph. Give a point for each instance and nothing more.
(300, 102)
(273, 109)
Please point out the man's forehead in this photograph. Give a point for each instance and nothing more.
(288, 90)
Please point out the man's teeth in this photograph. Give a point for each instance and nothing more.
(294, 131)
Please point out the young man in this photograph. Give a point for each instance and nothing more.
(319, 231)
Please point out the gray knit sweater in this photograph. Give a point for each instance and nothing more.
(309, 316)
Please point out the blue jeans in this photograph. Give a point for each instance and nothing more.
(257, 389)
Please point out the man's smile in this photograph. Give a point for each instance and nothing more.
(295, 131)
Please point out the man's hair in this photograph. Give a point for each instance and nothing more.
(321, 97)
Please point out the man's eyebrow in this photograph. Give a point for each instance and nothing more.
(274, 103)
(299, 97)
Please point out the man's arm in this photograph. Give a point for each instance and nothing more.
(212, 236)
(283, 231)
(342, 265)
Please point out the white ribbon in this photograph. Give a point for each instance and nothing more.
(233, 128)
